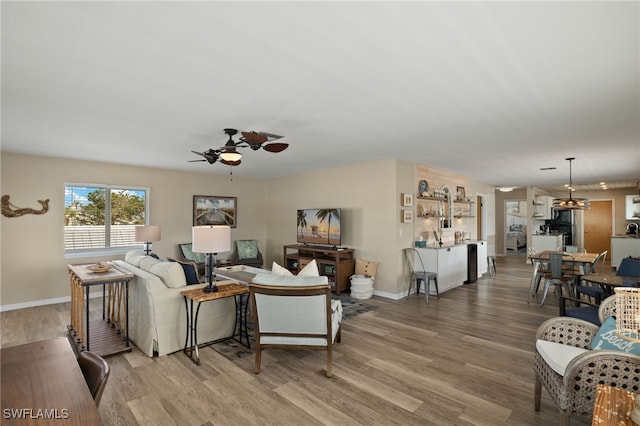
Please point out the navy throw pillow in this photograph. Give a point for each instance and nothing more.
(190, 272)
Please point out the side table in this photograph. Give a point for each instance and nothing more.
(613, 406)
(111, 334)
(198, 296)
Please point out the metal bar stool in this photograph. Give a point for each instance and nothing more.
(412, 256)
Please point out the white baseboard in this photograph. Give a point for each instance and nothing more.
(34, 303)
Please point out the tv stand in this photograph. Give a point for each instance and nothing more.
(338, 264)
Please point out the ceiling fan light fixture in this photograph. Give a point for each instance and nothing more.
(571, 203)
(506, 188)
(231, 155)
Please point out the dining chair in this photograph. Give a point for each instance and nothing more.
(96, 373)
(559, 276)
(591, 290)
(418, 272)
(542, 269)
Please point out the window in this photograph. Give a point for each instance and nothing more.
(102, 216)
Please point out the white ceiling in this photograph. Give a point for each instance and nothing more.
(491, 90)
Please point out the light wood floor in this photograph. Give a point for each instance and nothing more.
(464, 359)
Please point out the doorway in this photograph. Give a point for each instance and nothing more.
(597, 227)
(515, 233)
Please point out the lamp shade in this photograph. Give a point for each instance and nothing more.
(211, 238)
(147, 233)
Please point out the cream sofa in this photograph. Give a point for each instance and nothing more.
(157, 313)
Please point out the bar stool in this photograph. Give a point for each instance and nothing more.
(491, 265)
(412, 256)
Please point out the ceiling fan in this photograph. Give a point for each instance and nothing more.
(229, 155)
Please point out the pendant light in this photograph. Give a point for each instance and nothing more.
(571, 203)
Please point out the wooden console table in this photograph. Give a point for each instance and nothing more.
(337, 264)
(198, 295)
(109, 335)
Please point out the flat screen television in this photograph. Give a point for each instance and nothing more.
(319, 227)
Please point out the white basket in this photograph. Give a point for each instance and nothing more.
(628, 313)
(361, 288)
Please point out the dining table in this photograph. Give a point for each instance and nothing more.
(42, 384)
(609, 281)
(581, 260)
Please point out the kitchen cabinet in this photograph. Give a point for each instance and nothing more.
(632, 210)
(547, 242)
(542, 207)
(622, 247)
(450, 263)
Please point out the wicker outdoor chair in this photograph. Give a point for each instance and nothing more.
(574, 391)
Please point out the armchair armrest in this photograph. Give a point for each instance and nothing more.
(567, 330)
(614, 368)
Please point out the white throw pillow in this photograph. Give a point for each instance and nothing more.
(170, 273)
(279, 270)
(310, 270)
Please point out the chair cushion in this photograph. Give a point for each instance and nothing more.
(289, 280)
(247, 249)
(188, 253)
(606, 338)
(587, 313)
(557, 355)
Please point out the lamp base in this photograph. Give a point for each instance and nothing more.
(210, 289)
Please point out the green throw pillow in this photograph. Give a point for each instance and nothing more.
(189, 254)
(606, 338)
(247, 249)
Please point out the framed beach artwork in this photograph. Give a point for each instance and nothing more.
(215, 210)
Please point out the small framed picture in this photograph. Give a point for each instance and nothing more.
(407, 216)
(460, 193)
(407, 199)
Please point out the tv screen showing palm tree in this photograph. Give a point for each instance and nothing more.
(319, 226)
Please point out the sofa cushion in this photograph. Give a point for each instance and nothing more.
(134, 257)
(558, 355)
(170, 273)
(147, 262)
(279, 270)
(606, 338)
(247, 249)
(289, 280)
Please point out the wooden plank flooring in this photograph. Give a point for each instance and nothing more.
(464, 359)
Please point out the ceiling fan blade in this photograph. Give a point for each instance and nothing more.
(231, 163)
(195, 161)
(254, 137)
(276, 147)
(199, 153)
(271, 136)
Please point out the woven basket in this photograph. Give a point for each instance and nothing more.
(628, 313)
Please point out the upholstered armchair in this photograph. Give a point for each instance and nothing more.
(187, 254)
(567, 367)
(247, 253)
(295, 313)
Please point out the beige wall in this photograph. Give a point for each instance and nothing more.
(33, 265)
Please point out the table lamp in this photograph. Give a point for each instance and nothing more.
(148, 234)
(211, 239)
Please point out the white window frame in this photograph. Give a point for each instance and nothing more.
(107, 250)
